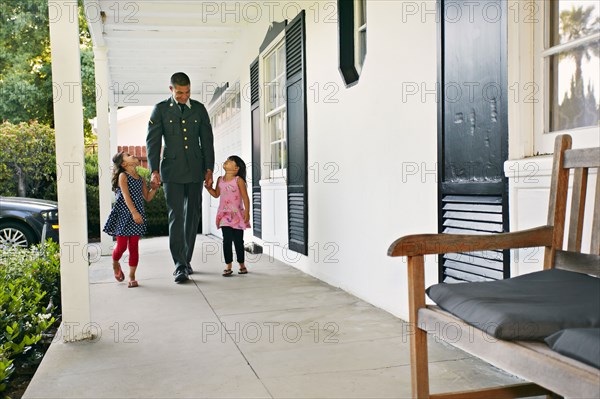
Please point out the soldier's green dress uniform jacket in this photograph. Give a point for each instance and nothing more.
(188, 142)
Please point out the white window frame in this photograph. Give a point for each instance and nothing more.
(267, 171)
(359, 48)
(543, 139)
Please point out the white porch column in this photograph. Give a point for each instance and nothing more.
(68, 121)
(104, 148)
(114, 127)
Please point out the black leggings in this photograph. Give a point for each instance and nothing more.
(237, 236)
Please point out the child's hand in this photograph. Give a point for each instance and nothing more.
(154, 185)
(247, 216)
(138, 218)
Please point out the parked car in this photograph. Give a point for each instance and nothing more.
(27, 221)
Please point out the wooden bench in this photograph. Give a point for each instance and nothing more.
(544, 370)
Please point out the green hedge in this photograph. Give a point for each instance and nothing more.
(27, 160)
(157, 214)
(156, 210)
(29, 305)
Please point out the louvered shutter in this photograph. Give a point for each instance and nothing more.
(296, 130)
(472, 214)
(255, 126)
(473, 140)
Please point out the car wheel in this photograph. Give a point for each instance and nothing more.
(15, 235)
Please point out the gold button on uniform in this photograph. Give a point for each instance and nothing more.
(182, 121)
(185, 130)
(185, 138)
(170, 121)
(186, 147)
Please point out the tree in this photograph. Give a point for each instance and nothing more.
(25, 64)
(576, 109)
(27, 160)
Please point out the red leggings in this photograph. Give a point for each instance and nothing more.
(122, 243)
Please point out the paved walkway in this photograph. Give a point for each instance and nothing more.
(273, 333)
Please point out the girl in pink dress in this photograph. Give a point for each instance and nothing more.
(233, 215)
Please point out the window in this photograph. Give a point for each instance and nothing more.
(275, 109)
(571, 62)
(360, 33)
(280, 204)
(228, 106)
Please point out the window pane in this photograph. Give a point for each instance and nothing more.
(270, 71)
(280, 59)
(360, 8)
(283, 154)
(572, 19)
(275, 156)
(273, 128)
(360, 32)
(281, 90)
(575, 88)
(363, 46)
(272, 99)
(282, 126)
(276, 127)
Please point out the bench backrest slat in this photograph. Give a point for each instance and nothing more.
(578, 262)
(585, 157)
(595, 247)
(583, 163)
(577, 209)
(557, 206)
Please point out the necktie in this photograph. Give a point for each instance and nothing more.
(182, 106)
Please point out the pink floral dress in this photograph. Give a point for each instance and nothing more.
(231, 207)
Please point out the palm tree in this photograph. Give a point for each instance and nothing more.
(574, 24)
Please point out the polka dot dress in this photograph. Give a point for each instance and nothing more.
(120, 221)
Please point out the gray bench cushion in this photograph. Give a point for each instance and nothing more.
(582, 344)
(528, 307)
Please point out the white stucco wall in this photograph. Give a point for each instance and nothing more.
(133, 124)
(359, 141)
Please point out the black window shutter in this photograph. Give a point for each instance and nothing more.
(295, 56)
(346, 42)
(255, 116)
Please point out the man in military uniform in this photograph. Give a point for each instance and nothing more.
(187, 160)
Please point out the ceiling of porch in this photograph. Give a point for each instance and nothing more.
(147, 41)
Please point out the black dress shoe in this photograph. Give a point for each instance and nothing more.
(181, 275)
(189, 270)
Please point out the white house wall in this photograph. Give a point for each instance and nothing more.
(371, 152)
(133, 126)
(227, 142)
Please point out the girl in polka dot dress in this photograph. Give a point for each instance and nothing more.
(233, 215)
(127, 220)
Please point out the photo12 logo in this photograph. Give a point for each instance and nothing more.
(271, 332)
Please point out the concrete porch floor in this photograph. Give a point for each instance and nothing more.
(273, 333)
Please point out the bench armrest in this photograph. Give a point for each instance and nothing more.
(427, 244)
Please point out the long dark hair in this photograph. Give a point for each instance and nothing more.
(117, 169)
(241, 165)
